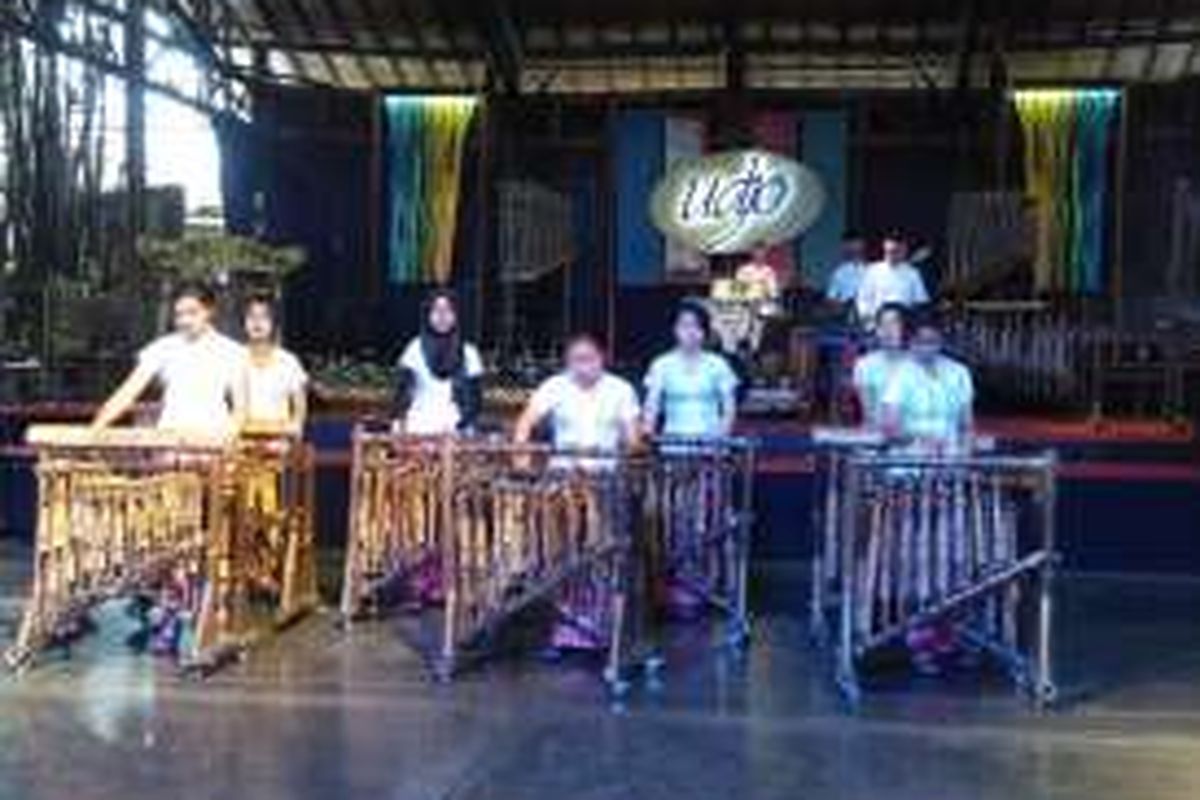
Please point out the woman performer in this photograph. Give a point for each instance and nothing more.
(876, 370)
(689, 388)
(929, 401)
(927, 408)
(693, 391)
(197, 368)
(269, 395)
(196, 365)
(270, 389)
(588, 408)
(439, 389)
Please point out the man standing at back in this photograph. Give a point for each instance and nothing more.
(890, 281)
(842, 289)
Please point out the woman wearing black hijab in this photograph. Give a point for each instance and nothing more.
(438, 388)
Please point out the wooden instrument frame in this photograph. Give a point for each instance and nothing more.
(907, 541)
(123, 511)
(513, 525)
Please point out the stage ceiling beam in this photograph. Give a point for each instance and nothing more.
(433, 15)
(283, 39)
(968, 43)
(47, 37)
(1114, 43)
(1126, 37)
(341, 25)
(305, 22)
(373, 31)
(502, 41)
(1165, 9)
(416, 32)
(735, 54)
(200, 34)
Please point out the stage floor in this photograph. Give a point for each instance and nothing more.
(319, 713)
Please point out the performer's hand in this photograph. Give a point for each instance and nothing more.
(522, 461)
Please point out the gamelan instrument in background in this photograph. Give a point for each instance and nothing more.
(966, 543)
(470, 532)
(218, 530)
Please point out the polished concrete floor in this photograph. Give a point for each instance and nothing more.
(318, 713)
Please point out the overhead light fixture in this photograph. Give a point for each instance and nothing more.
(451, 100)
(1065, 95)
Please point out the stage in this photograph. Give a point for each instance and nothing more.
(321, 713)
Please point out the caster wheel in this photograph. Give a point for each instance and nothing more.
(618, 689)
(738, 639)
(443, 673)
(1046, 695)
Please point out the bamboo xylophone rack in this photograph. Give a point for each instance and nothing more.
(506, 526)
(907, 541)
(224, 524)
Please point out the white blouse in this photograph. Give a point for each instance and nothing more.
(197, 376)
(433, 411)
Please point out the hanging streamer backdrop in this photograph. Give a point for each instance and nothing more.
(425, 142)
(1066, 138)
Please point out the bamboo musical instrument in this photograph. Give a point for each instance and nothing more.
(920, 540)
(477, 530)
(219, 528)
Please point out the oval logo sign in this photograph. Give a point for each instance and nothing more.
(734, 201)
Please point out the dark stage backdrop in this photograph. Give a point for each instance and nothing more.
(308, 171)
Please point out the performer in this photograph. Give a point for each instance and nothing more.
(929, 401)
(876, 370)
(269, 393)
(844, 282)
(196, 365)
(270, 389)
(588, 407)
(892, 280)
(757, 282)
(439, 387)
(756, 277)
(691, 389)
(197, 368)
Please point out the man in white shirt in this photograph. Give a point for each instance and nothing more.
(588, 407)
(892, 280)
(844, 282)
(196, 366)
